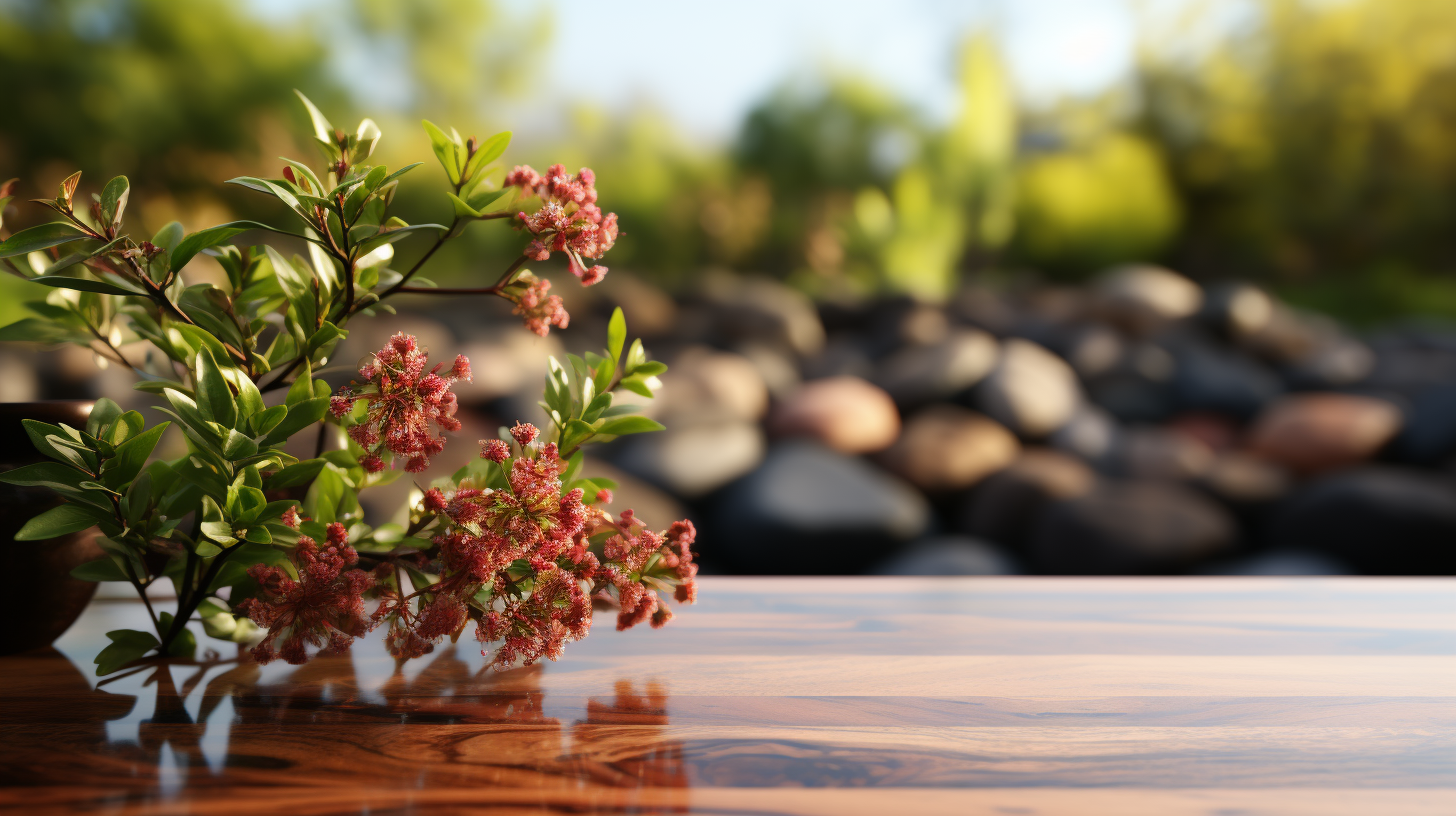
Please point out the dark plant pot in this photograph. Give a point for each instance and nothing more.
(41, 600)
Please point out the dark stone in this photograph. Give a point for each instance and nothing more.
(1131, 528)
(1280, 562)
(1379, 520)
(808, 510)
(948, 555)
(1209, 379)
(1429, 433)
(1133, 397)
(1004, 507)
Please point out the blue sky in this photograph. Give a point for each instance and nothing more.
(705, 64)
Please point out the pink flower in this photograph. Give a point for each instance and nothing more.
(569, 219)
(324, 607)
(495, 450)
(524, 433)
(403, 400)
(540, 310)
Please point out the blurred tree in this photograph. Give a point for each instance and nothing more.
(1317, 138)
(174, 95)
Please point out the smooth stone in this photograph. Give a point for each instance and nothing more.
(846, 414)
(810, 510)
(707, 383)
(1092, 433)
(758, 309)
(1005, 506)
(1237, 310)
(1131, 528)
(1161, 453)
(1280, 562)
(918, 374)
(1143, 296)
(1210, 379)
(1314, 433)
(1380, 520)
(1031, 390)
(1340, 363)
(1429, 433)
(692, 460)
(1242, 480)
(946, 447)
(842, 357)
(948, 555)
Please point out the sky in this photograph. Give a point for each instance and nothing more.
(706, 64)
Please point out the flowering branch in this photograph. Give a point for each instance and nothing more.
(517, 541)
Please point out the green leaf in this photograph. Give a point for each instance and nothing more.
(45, 474)
(293, 475)
(169, 237)
(298, 288)
(102, 569)
(636, 385)
(113, 201)
(321, 127)
(126, 645)
(38, 330)
(446, 150)
(390, 236)
(57, 521)
(636, 356)
(488, 151)
(651, 368)
(211, 237)
(103, 414)
(85, 285)
(44, 236)
(214, 400)
(131, 457)
(621, 426)
(300, 416)
(616, 334)
(40, 434)
(238, 446)
(267, 420)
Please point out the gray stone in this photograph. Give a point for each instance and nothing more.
(948, 555)
(1379, 520)
(1429, 433)
(761, 310)
(1031, 390)
(692, 460)
(1131, 528)
(810, 510)
(1210, 379)
(1092, 434)
(924, 373)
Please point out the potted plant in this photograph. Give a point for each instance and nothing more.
(267, 548)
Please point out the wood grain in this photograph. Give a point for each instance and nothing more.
(835, 696)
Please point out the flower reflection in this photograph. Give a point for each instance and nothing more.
(186, 731)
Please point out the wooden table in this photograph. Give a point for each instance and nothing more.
(818, 696)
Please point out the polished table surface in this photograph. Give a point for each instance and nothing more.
(1216, 696)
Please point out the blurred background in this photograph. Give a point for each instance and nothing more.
(1061, 287)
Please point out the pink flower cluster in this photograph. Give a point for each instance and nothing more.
(540, 310)
(324, 607)
(569, 219)
(403, 399)
(529, 546)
